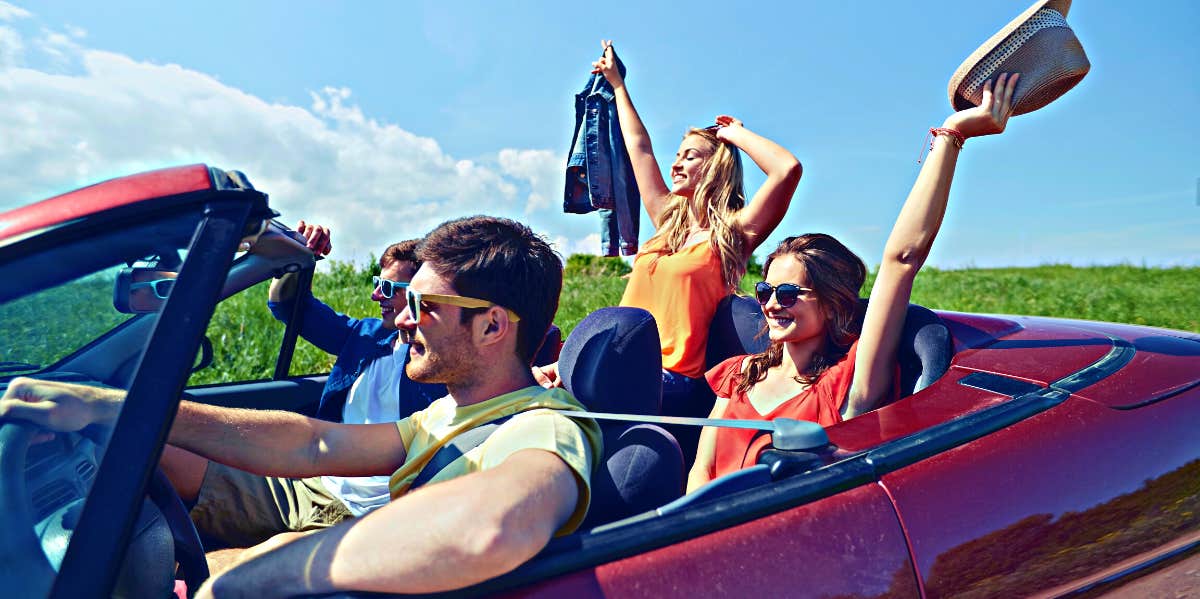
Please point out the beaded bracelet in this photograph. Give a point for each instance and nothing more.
(959, 138)
(956, 137)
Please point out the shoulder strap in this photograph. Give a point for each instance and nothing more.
(456, 448)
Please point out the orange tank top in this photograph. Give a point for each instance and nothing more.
(681, 291)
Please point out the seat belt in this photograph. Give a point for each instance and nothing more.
(456, 448)
(787, 434)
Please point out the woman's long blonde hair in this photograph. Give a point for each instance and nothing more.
(717, 198)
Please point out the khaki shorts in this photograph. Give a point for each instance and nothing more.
(241, 509)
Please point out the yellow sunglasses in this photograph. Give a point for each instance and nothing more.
(415, 298)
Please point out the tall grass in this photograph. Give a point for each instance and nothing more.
(247, 338)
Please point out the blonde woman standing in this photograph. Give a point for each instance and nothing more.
(705, 233)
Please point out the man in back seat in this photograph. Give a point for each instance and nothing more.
(476, 310)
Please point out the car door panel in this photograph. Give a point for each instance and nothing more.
(296, 394)
(1052, 502)
(847, 545)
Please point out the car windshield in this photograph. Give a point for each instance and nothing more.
(48, 325)
(76, 308)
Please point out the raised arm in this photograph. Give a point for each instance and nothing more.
(261, 441)
(320, 324)
(318, 240)
(651, 185)
(909, 244)
(764, 211)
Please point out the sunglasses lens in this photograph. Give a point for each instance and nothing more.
(787, 294)
(762, 292)
(386, 288)
(163, 287)
(414, 304)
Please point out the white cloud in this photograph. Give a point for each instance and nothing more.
(587, 245)
(541, 169)
(8, 12)
(372, 182)
(11, 47)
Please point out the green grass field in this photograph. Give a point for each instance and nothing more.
(1161, 297)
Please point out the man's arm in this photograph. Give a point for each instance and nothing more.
(261, 441)
(278, 443)
(320, 324)
(452, 534)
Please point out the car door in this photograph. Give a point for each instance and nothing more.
(1097, 490)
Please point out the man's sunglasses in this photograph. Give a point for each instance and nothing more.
(387, 288)
(416, 297)
(786, 293)
(162, 287)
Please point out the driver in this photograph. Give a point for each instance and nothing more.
(235, 508)
(476, 310)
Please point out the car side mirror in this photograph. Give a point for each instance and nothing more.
(141, 290)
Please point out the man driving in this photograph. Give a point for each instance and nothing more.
(475, 313)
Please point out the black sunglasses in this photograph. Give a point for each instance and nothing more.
(162, 287)
(786, 293)
(387, 288)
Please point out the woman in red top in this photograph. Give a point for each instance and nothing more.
(818, 366)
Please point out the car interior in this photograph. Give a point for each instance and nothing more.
(611, 362)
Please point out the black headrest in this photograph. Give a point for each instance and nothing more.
(737, 328)
(925, 350)
(547, 352)
(612, 362)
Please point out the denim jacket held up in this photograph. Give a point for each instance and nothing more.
(599, 174)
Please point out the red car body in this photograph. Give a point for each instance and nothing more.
(1100, 488)
(1054, 457)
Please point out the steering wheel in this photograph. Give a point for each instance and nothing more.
(25, 569)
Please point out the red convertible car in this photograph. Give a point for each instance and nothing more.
(1030, 456)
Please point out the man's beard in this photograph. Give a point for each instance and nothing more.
(448, 365)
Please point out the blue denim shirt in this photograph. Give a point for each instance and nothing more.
(356, 343)
(599, 174)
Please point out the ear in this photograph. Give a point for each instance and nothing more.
(493, 326)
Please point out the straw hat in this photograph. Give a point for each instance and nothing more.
(1039, 45)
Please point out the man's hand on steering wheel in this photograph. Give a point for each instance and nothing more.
(62, 407)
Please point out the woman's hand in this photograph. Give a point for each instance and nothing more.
(726, 125)
(607, 65)
(991, 116)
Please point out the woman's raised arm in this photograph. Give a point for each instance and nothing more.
(909, 244)
(650, 182)
(764, 211)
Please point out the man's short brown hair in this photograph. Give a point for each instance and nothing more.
(404, 251)
(501, 261)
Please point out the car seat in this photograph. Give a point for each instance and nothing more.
(547, 352)
(924, 352)
(612, 362)
(738, 327)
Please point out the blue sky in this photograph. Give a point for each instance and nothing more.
(382, 119)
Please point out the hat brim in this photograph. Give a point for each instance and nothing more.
(1050, 63)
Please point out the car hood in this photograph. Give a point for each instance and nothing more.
(1155, 364)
